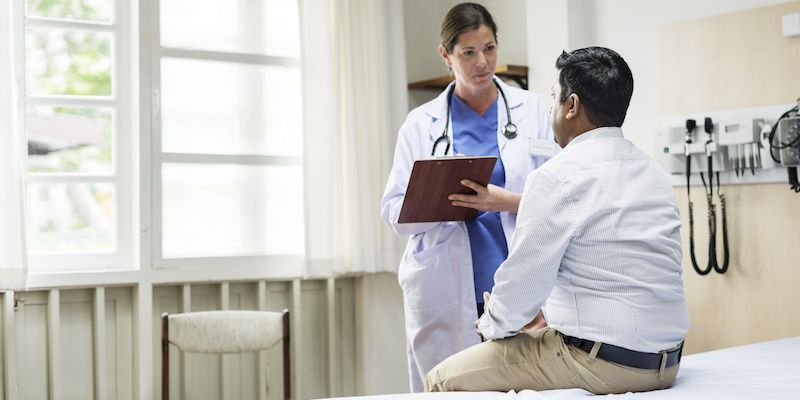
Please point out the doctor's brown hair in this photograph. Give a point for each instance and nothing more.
(462, 18)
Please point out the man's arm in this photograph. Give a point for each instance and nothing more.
(545, 225)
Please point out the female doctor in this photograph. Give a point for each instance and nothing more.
(447, 266)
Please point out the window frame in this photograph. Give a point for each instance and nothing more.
(152, 54)
(119, 102)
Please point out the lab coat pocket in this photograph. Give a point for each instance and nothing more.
(428, 279)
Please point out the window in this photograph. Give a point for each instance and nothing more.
(74, 111)
(227, 131)
(214, 131)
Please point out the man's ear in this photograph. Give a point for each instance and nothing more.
(574, 105)
(445, 56)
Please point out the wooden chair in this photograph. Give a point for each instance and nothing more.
(224, 332)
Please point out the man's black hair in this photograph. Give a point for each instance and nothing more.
(601, 79)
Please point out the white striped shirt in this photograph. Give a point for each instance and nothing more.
(598, 244)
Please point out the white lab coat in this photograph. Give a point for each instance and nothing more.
(436, 269)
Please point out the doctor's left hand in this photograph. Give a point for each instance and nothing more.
(487, 198)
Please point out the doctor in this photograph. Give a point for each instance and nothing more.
(447, 266)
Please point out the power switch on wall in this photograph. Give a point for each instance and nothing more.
(791, 25)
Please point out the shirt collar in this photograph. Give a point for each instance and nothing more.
(603, 132)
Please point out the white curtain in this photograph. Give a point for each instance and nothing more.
(13, 266)
(355, 99)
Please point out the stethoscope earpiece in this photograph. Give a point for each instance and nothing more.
(509, 131)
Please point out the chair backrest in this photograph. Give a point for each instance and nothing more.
(224, 332)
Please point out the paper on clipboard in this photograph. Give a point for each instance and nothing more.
(432, 180)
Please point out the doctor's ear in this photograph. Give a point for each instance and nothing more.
(445, 57)
(573, 103)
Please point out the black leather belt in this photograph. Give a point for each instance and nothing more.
(623, 356)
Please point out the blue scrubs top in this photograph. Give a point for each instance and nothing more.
(476, 135)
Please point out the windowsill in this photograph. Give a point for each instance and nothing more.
(204, 273)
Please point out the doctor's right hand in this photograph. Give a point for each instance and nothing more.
(486, 198)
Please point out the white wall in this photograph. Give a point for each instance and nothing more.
(423, 23)
(555, 26)
(629, 27)
(380, 336)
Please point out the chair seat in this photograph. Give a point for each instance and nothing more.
(225, 331)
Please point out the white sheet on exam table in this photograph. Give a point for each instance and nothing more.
(768, 370)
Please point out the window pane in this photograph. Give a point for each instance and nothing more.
(69, 139)
(231, 210)
(239, 26)
(68, 62)
(70, 218)
(81, 10)
(226, 108)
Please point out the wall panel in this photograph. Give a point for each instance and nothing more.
(4, 298)
(31, 346)
(75, 344)
(119, 343)
(738, 60)
(729, 61)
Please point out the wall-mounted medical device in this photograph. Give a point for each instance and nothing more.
(784, 138)
(743, 143)
(788, 134)
(746, 145)
(735, 146)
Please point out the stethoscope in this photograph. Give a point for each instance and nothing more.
(509, 131)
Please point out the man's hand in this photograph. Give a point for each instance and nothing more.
(537, 323)
(478, 321)
(487, 198)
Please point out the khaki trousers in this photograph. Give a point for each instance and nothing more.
(539, 360)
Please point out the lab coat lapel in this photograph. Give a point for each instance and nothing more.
(437, 110)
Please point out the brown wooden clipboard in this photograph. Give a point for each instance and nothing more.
(434, 179)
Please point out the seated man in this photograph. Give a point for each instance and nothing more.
(597, 248)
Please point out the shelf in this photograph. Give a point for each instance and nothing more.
(516, 73)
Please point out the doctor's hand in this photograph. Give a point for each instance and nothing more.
(487, 198)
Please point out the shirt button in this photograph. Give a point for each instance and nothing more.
(467, 261)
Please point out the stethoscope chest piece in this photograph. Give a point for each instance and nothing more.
(510, 130)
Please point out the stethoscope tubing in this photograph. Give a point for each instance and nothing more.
(509, 131)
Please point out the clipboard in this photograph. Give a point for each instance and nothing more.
(432, 180)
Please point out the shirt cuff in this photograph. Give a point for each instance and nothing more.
(487, 326)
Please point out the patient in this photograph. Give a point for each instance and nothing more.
(597, 249)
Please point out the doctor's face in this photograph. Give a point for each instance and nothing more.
(473, 59)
